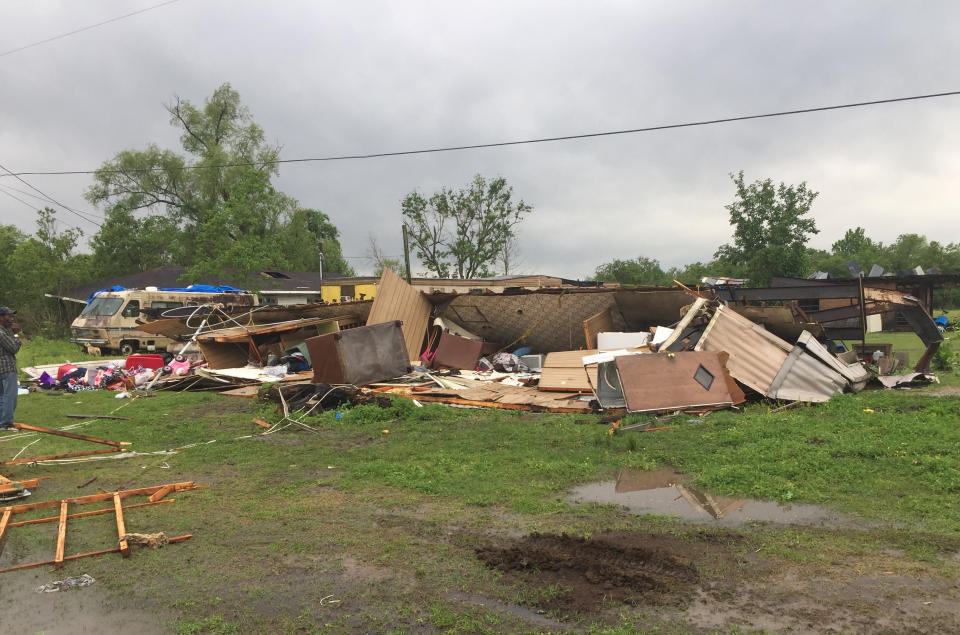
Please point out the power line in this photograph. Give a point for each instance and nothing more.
(86, 28)
(51, 199)
(501, 144)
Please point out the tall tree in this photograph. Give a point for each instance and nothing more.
(463, 231)
(220, 208)
(771, 230)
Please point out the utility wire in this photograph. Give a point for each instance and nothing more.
(51, 199)
(501, 144)
(86, 28)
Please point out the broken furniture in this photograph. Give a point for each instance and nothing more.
(156, 496)
(362, 355)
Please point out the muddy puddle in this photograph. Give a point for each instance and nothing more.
(669, 493)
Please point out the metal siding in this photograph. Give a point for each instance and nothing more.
(756, 356)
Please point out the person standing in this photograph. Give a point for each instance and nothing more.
(9, 382)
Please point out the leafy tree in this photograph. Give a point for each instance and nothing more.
(639, 271)
(463, 231)
(771, 230)
(44, 262)
(217, 206)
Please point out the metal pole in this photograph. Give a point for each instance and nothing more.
(406, 253)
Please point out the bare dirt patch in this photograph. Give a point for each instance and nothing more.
(625, 567)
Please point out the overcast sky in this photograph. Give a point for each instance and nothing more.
(335, 78)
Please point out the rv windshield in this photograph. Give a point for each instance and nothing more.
(103, 306)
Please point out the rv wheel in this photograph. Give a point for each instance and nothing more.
(127, 348)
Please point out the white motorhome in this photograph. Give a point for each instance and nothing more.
(111, 319)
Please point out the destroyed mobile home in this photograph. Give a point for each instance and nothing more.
(585, 350)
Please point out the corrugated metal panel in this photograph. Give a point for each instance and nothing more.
(804, 378)
(397, 300)
(756, 355)
(855, 373)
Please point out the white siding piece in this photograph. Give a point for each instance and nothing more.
(612, 340)
(695, 309)
(855, 373)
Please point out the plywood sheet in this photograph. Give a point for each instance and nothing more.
(564, 371)
(397, 300)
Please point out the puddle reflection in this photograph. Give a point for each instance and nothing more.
(668, 492)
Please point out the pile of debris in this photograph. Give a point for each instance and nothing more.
(554, 349)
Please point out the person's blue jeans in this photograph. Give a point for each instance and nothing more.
(8, 396)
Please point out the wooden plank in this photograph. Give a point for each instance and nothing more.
(98, 417)
(96, 512)
(43, 563)
(51, 457)
(69, 435)
(494, 404)
(121, 526)
(567, 379)
(160, 493)
(61, 536)
(397, 300)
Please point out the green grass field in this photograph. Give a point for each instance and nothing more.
(388, 522)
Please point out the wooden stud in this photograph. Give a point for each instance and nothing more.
(69, 455)
(262, 423)
(4, 522)
(61, 536)
(160, 493)
(121, 526)
(98, 512)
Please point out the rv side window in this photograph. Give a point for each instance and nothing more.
(165, 305)
(103, 306)
(132, 309)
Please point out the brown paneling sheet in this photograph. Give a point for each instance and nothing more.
(600, 323)
(669, 381)
(397, 300)
(454, 351)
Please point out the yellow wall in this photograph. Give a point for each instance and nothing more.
(331, 292)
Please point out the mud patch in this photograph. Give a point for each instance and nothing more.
(584, 574)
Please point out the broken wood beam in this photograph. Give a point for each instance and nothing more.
(96, 512)
(4, 523)
(69, 435)
(160, 493)
(87, 482)
(99, 417)
(52, 457)
(121, 526)
(262, 423)
(102, 496)
(31, 565)
(61, 536)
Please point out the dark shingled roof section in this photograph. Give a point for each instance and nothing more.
(273, 279)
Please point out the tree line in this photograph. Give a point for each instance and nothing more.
(772, 228)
